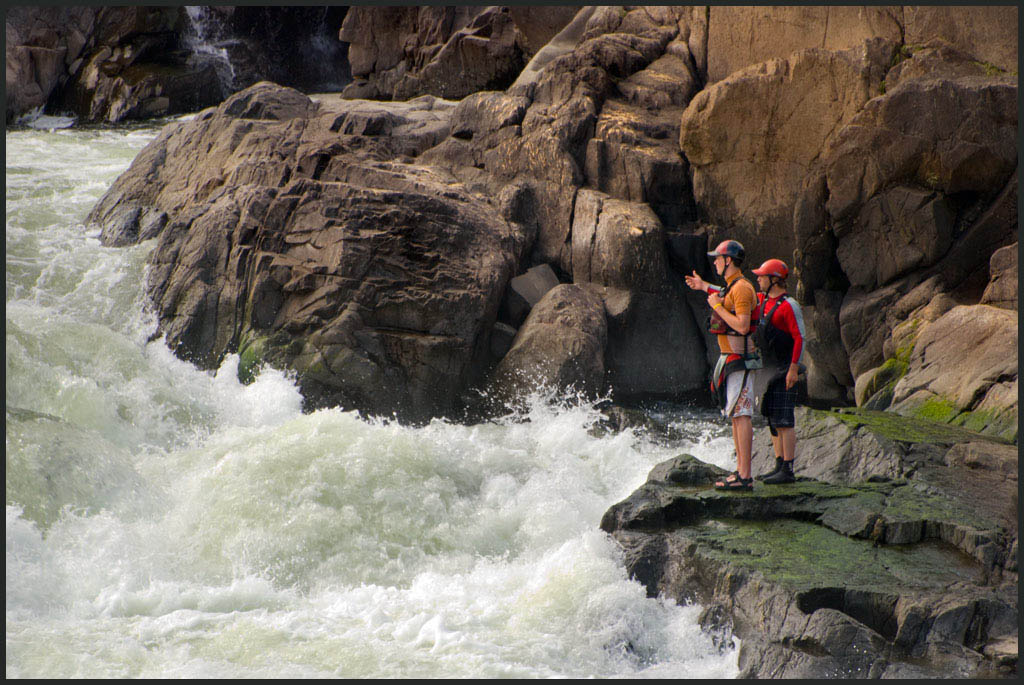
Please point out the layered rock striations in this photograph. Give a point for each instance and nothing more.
(287, 231)
(873, 149)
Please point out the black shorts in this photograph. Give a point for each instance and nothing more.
(778, 403)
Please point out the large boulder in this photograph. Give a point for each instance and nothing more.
(292, 237)
(752, 138)
(918, 198)
(963, 369)
(946, 136)
(1001, 290)
(401, 52)
(654, 345)
(741, 36)
(559, 347)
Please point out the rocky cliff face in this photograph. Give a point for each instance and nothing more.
(449, 52)
(873, 149)
(109, 64)
(103, 63)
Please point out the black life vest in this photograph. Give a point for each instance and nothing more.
(774, 344)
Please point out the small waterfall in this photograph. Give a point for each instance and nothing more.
(208, 45)
(325, 57)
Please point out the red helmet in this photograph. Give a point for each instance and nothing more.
(773, 267)
(728, 248)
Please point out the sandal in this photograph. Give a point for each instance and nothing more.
(734, 482)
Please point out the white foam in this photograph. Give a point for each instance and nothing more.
(215, 530)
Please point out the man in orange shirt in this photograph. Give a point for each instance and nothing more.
(731, 311)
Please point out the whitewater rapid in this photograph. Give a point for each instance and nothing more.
(164, 521)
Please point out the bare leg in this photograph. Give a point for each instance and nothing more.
(777, 445)
(787, 438)
(742, 436)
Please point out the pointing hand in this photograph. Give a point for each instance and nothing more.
(696, 282)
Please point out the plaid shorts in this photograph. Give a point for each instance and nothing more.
(778, 403)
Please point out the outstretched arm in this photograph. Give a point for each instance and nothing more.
(698, 283)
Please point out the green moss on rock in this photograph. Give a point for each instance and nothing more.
(251, 357)
(911, 429)
(803, 556)
(937, 409)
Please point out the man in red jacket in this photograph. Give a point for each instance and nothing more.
(780, 339)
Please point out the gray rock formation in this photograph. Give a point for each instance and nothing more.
(898, 559)
(104, 64)
(559, 347)
(294, 238)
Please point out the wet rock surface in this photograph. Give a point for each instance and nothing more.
(889, 562)
(560, 345)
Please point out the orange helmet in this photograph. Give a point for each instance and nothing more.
(773, 267)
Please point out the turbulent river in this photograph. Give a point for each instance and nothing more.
(164, 521)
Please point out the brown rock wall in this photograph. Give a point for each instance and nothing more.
(742, 36)
(752, 138)
(876, 166)
(401, 52)
(43, 44)
(988, 34)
